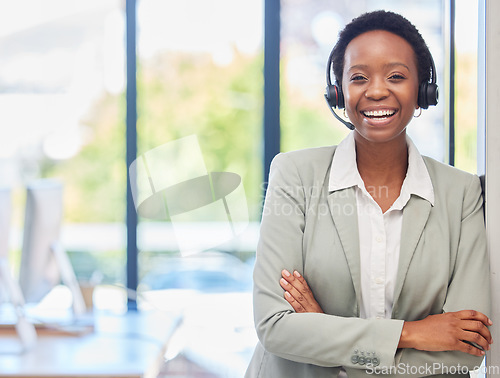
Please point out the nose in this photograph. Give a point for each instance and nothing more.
(377, 90)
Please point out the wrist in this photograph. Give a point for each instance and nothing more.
(406, 340)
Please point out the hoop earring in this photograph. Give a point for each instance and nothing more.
(345, 115)
(419, 114)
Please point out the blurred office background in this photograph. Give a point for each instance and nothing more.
(200, 71)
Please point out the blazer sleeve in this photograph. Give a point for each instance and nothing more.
(469, 287)
(312, 338)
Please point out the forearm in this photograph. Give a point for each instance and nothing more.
(328, 340)
(313, 338)
(466, 331)
(445, 342)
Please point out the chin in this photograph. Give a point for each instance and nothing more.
(380, 134)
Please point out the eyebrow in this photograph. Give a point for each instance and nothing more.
(387, 65)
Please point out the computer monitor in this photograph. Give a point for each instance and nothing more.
(44, 263)
(9, 288)
(5, 214)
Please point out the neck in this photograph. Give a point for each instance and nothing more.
(382, 163)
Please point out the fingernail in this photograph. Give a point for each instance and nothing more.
(284, 282)
(490, 322)
(287, 294)
(296, 274)
(286, 272)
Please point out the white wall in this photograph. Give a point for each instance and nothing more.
(489, 154)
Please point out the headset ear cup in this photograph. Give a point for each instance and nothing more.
(340, 98)
(331, 95)
(428, 94)
(422, 95)
(334, 96)
(432, 94)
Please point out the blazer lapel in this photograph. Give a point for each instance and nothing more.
(344, 211)
(415, 215)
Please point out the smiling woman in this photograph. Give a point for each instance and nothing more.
(401, 281)
(381, 96)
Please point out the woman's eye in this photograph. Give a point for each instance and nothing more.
(397, 77)
(358, 78)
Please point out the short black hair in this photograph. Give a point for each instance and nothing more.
(388, 21)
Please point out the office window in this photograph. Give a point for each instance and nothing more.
(466, 85)
(200, 99)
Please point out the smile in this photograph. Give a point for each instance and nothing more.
(379, 113)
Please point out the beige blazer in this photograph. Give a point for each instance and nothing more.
(443, 266)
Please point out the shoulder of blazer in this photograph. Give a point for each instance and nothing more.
(446, 175)
(312, 162)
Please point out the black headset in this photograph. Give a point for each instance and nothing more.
(428, 92)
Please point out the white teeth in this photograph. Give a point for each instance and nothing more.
(379, 113)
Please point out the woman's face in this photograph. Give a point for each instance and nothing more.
(380, 85)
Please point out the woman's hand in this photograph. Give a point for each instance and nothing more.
(465, 331)
(297, 292)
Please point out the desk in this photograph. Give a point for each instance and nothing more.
(125, 346)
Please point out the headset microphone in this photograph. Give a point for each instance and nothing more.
(349, 125)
